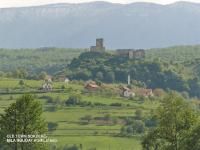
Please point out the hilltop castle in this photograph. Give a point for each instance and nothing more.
(99, 46)
(130, 53)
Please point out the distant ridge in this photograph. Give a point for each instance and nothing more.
(135, 25)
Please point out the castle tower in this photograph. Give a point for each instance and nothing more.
(99, 42)
(99, 46)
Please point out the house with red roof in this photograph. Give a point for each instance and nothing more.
(91, 87)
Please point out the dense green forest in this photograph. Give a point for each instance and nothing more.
(176, 53)
(30, 62)
(187, 56)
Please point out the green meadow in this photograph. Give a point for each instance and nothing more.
(71, 129)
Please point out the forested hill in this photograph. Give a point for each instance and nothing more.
(149, 72)
(187, 56)
(176, 53)
(28, 63)
(184, 60)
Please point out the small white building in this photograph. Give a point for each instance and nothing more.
(47, 87)
(66, 80)
(128, 92)
(48, 79)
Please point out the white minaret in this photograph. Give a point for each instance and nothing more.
(129, 79)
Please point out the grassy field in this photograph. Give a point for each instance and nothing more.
(71, 128)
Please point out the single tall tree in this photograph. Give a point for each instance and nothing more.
(22, 117)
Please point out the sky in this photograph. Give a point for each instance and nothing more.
(22, 3)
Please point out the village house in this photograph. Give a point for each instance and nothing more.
(92, 86)
(144, 92)
(47, 87)
(63, 79)
(48, 78)
(128, 93)
(67, 80)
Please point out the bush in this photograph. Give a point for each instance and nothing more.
(129, 120)
(138, 114)
(151, 122)
(107, 117)
(48, 98)
(57, 100)
(84, 103)
(52, 126)
(137, 127)
(115, 120)
(87, 118)
(73, 100)
(51, 108)
(116, 104)
(11, 97)
(99, 104)
(63, 87)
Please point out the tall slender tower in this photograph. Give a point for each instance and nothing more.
(129, 79)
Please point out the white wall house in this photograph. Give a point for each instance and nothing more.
(128, 92)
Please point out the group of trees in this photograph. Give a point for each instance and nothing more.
(24, 74)
(178, 127)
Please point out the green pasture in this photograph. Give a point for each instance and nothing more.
(101, 142)
(71, 129)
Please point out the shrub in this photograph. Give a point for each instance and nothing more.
(87, 118)
(52, 126)
(129, 120)
(150, 122)
(116, 104)
(107, 117)
(138, 114)
(84, 103)
(73, 100)
(99, 104)
(48, 98)
(11, 97)
(137, 127)
(115, 120)
(51, 108)
(63, 87)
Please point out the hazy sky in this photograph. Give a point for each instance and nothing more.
(19, 3)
